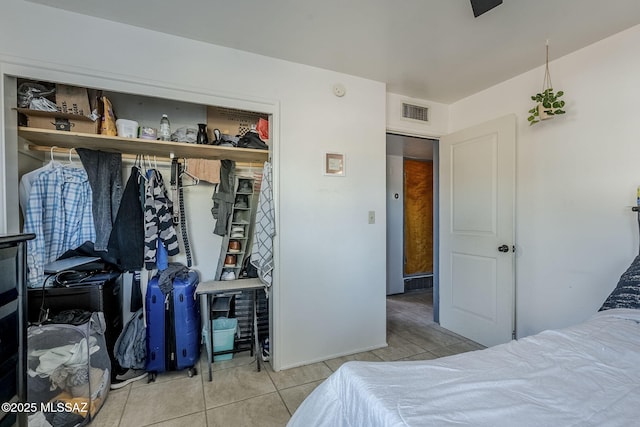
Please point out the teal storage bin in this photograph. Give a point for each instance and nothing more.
(224, 331)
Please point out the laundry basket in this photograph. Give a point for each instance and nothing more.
(68, 371)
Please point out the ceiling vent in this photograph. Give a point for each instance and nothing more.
(415, 112)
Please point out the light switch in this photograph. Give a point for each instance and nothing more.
(372, 217)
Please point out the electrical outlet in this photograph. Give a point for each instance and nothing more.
(372, 217)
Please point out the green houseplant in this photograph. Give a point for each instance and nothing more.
(548, 102)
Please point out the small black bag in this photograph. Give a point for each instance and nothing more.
(252, 140)
(248, 270)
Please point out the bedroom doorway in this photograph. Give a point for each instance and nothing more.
(412, 215)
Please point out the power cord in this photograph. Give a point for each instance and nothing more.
(43, 315)
(62, 278)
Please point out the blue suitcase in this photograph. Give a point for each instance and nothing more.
(173, 327)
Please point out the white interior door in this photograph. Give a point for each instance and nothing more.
(477, 200)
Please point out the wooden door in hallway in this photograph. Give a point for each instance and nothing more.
(418, 217)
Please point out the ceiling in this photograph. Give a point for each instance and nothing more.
(427, 49)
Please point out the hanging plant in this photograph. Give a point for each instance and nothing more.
(548, 102)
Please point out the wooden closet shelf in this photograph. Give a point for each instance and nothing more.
(50, 138)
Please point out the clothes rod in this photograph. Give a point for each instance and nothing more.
(41, 148)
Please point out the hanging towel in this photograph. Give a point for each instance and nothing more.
(265, 229)
(205, 170)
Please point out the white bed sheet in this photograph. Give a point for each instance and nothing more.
(584, 375)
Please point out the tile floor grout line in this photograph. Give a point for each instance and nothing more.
(130, 386)
(204, 396)
(239, 401)
(284, 403)
(175, 418)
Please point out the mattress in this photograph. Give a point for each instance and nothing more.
(584, 375)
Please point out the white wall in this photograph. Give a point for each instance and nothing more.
(576, 179)
(329, 295)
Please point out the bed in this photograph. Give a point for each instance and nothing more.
(583, 375)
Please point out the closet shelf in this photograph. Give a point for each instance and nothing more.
(63, 139)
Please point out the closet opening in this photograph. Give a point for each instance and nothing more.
(412, 217)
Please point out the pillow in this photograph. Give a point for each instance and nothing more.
(627, 292)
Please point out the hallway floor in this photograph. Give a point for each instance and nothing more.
(241, 396)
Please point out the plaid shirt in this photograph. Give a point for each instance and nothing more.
(59, 212)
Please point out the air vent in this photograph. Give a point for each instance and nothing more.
(415, 112)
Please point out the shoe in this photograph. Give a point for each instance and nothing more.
(237, 231)
(230, 261)
(265, 350)
(129, 376)
(234, 246)
(241, 202)
(245, 187)
(228, 275)
(240, 217)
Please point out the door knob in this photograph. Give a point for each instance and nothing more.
(503, 248)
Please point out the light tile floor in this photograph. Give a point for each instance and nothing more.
(241, 396)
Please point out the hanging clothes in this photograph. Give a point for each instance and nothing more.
(265, 229)
(105, 177)
(126, 243)
(26, 182)
(223, 197)
(59, 213)
(158, 220)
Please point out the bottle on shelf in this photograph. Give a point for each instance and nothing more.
(165, 128)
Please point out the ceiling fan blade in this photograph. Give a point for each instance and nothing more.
(482, 6)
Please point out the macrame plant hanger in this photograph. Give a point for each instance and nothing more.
(546, 83)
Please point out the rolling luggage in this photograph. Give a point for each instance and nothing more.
(173, 326)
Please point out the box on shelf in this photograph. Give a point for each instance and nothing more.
(60, 121)
(75, 105)
(231, 121)
(72, 100)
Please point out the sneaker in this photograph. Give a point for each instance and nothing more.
(241, 202)
(265, 350)
(237, 232)
(228, 275)
(245, 187)
(129, 376)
